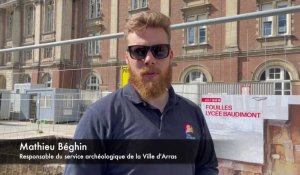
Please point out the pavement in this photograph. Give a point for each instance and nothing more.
(10, 129)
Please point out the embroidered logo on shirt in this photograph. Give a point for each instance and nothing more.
(189, 131)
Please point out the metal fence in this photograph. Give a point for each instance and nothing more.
(11, 104)
(33, 115)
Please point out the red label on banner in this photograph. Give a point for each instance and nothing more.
(211, 99)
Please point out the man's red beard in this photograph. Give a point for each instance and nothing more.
(151, 88)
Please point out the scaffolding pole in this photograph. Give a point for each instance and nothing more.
(245, 16)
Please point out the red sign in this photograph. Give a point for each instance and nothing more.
(211, 99)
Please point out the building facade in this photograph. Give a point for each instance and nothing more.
(263, 49)
(254, 50)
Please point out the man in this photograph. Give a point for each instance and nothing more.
(147, 108)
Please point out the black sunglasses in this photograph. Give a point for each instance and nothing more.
(139, 52)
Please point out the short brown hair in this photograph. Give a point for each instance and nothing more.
(146, 19)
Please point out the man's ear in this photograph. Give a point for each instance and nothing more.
(171, 56)
(127, 57)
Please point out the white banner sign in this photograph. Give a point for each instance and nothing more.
(236, 123)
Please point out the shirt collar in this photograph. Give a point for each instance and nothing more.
(132, 95)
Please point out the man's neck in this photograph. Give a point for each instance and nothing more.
(159, 102)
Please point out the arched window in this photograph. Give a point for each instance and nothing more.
(25, 79)
(281, 79)
(47, 80)
(92, 83)
(195, 76)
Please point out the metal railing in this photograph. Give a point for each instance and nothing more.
(173, 27)
(6, 1)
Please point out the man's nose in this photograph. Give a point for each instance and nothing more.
(149, 59)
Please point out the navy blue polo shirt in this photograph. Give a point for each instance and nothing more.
(124, 115)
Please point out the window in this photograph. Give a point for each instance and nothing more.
(2, 62)
(27, 55)
(196, 35)
(191, 32)
(2, 82)
(68, 101)
(29, 20)
(195, 77)
(94, 46)
(26, 79)
(92, 83)
(48, 52)
(47, 80)
(94, 9)
(267, 22)
(45, 101)
(138, 4)
(202, 35)
(49, 16)
(281, 79)
(9, 24)
(269, 27)
(282, 20)
(8, 56)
